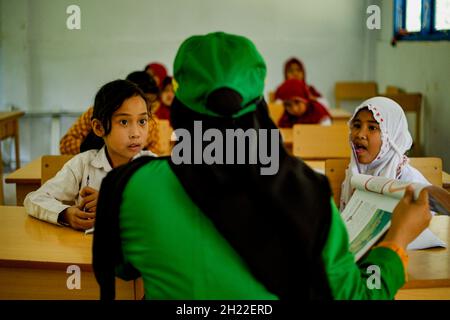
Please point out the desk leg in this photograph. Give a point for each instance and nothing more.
(16, 143)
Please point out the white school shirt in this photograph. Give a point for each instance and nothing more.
(46, 203)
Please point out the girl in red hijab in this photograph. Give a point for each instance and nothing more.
(165, 99)
(157, 71)
(299, 108)
(294, 69)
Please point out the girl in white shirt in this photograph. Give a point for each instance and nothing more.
(120, 117)
(379, 138)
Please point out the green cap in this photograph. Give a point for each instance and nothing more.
(218, 60)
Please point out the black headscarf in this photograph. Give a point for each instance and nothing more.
(277, 223)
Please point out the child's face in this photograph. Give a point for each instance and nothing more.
(366, 136)
(129, 130)
(167, 95)
(294, 71)
(296, 106)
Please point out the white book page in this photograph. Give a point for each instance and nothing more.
(384, 186)
(426, 239)
(367, 217)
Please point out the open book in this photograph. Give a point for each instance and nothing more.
(367, 215)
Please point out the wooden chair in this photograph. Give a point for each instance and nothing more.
(394, 90)
(335, 172)
(354, 91)
(431, 168)
(275, 111)
(165, 132)
(411, 103)
(315, 142)
(51, 164)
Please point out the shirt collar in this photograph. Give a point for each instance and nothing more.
(100, 160)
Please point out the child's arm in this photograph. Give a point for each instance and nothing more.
(46, 203)
(71, 142)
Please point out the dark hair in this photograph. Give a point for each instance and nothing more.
(167, 80)
(144, 81)
(110, 97)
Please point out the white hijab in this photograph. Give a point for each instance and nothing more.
(396, 140)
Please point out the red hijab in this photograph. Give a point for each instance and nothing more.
(158, 70)
(296, 61)
(315, 111)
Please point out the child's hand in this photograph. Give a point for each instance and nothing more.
(89, 202)
(78, 219)
(409, 218)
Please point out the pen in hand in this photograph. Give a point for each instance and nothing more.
(87, 185)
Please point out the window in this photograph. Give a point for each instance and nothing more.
(442, 14)
(421, 20)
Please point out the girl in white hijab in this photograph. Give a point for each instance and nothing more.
(379, 138)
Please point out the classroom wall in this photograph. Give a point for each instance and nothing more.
(419, 67)
(50, 68)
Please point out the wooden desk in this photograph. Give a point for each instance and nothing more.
(286, 134)
(429, 270)
(339, 116)
(27, 179)
(35, 255)
(9, 127)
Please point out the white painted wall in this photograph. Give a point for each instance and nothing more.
(419, 67)
(47, 67)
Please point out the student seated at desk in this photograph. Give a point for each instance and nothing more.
(158, 72)
(165, 100)
(379, 139)
(120, 118)
(72, 141)
(299, 108)
(294, 69)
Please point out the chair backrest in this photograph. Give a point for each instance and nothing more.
(165, 132)
(411, 103)
(51, 164)
(335, 172)
(314, 141)
(354, 91)
(275, 111)
(431, 168)
(394, 90)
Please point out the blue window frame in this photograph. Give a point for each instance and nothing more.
(431, 28)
